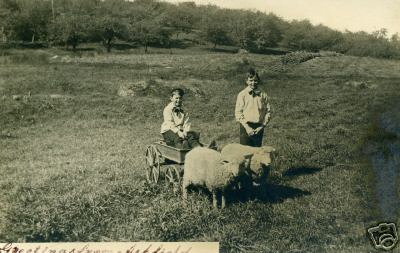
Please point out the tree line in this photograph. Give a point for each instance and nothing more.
(156, 23)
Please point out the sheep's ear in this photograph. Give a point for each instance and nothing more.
(224, 162)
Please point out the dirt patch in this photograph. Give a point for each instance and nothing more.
(132, 89)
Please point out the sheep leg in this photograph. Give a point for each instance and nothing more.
(184, 193)
(223, 201)
(184, 189)
(214, 194)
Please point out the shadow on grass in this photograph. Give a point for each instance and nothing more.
(124, 46)
(267, 193)
(222, 50)
(274, 193)
(180, 44)
(299, 171)
(80, 49)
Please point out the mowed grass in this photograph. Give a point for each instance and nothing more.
(72, 153)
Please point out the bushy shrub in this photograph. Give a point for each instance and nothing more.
(364, 44)
(298, 57)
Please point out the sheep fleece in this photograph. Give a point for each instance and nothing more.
(205, 167)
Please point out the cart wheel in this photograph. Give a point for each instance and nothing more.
(152, 164)
(172, 174)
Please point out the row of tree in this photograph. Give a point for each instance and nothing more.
(157, 23)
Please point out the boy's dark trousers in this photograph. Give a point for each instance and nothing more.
(173, 139)
(253, 140)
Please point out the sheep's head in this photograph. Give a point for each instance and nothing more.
(237, 167)
(259, 165)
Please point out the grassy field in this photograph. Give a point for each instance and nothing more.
(72, 148)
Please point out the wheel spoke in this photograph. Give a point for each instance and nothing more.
(156, 164)
(168, 175)
(152, 164)
(149, 156)
(177, 175)
(156, 173)
(148, 174)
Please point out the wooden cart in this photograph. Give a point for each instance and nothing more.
(164, 161)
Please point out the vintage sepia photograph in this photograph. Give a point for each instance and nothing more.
(257, 126)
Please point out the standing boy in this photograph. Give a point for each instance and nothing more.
(252, 111)
(176, 126)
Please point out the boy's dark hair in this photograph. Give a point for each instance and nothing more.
(179, 91)
(252, 73)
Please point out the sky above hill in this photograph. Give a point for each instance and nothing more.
(353, 15)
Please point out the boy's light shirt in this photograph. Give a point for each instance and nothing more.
(174, 121)
(252, 109)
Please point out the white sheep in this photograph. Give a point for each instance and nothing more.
(260, 161)
(205, 167)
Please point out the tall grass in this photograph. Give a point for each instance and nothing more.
(73, 164)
